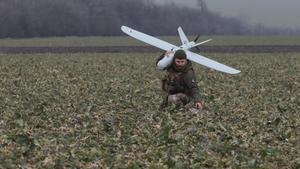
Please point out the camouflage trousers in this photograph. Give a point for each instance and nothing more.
(179, 98)
(176, 99)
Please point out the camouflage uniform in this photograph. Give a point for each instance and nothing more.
(179, 86)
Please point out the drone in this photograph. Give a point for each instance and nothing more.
(171, 49)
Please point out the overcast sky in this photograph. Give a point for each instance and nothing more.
(278, 13)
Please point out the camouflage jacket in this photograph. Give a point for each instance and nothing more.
(181, 81)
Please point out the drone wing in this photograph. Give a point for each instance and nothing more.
(148, 39)
(210, 63)
(170, 47)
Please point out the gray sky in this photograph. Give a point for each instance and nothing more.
(277, 13)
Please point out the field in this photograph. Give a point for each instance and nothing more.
(127, 41)
(220, 44)
(101, 111)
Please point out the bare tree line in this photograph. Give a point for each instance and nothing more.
(44, 18)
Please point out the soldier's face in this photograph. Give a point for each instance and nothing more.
(180, 62)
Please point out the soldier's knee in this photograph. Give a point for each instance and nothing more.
(179, 98)
(173, 98)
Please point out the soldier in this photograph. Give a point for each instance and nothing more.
(179, 86)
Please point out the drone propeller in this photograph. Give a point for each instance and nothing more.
(197, 37)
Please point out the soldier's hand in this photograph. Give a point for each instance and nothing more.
(169, 53)
(199, 105)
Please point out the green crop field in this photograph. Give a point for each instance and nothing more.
(127, 41)
(101, 111)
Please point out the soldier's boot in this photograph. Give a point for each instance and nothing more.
(164, 103)
(162, 106)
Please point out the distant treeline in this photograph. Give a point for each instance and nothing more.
(44, 18)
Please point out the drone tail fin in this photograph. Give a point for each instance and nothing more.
(183, 38)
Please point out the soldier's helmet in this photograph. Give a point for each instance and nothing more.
(180, 54)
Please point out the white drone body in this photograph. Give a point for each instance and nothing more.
(171, 49)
